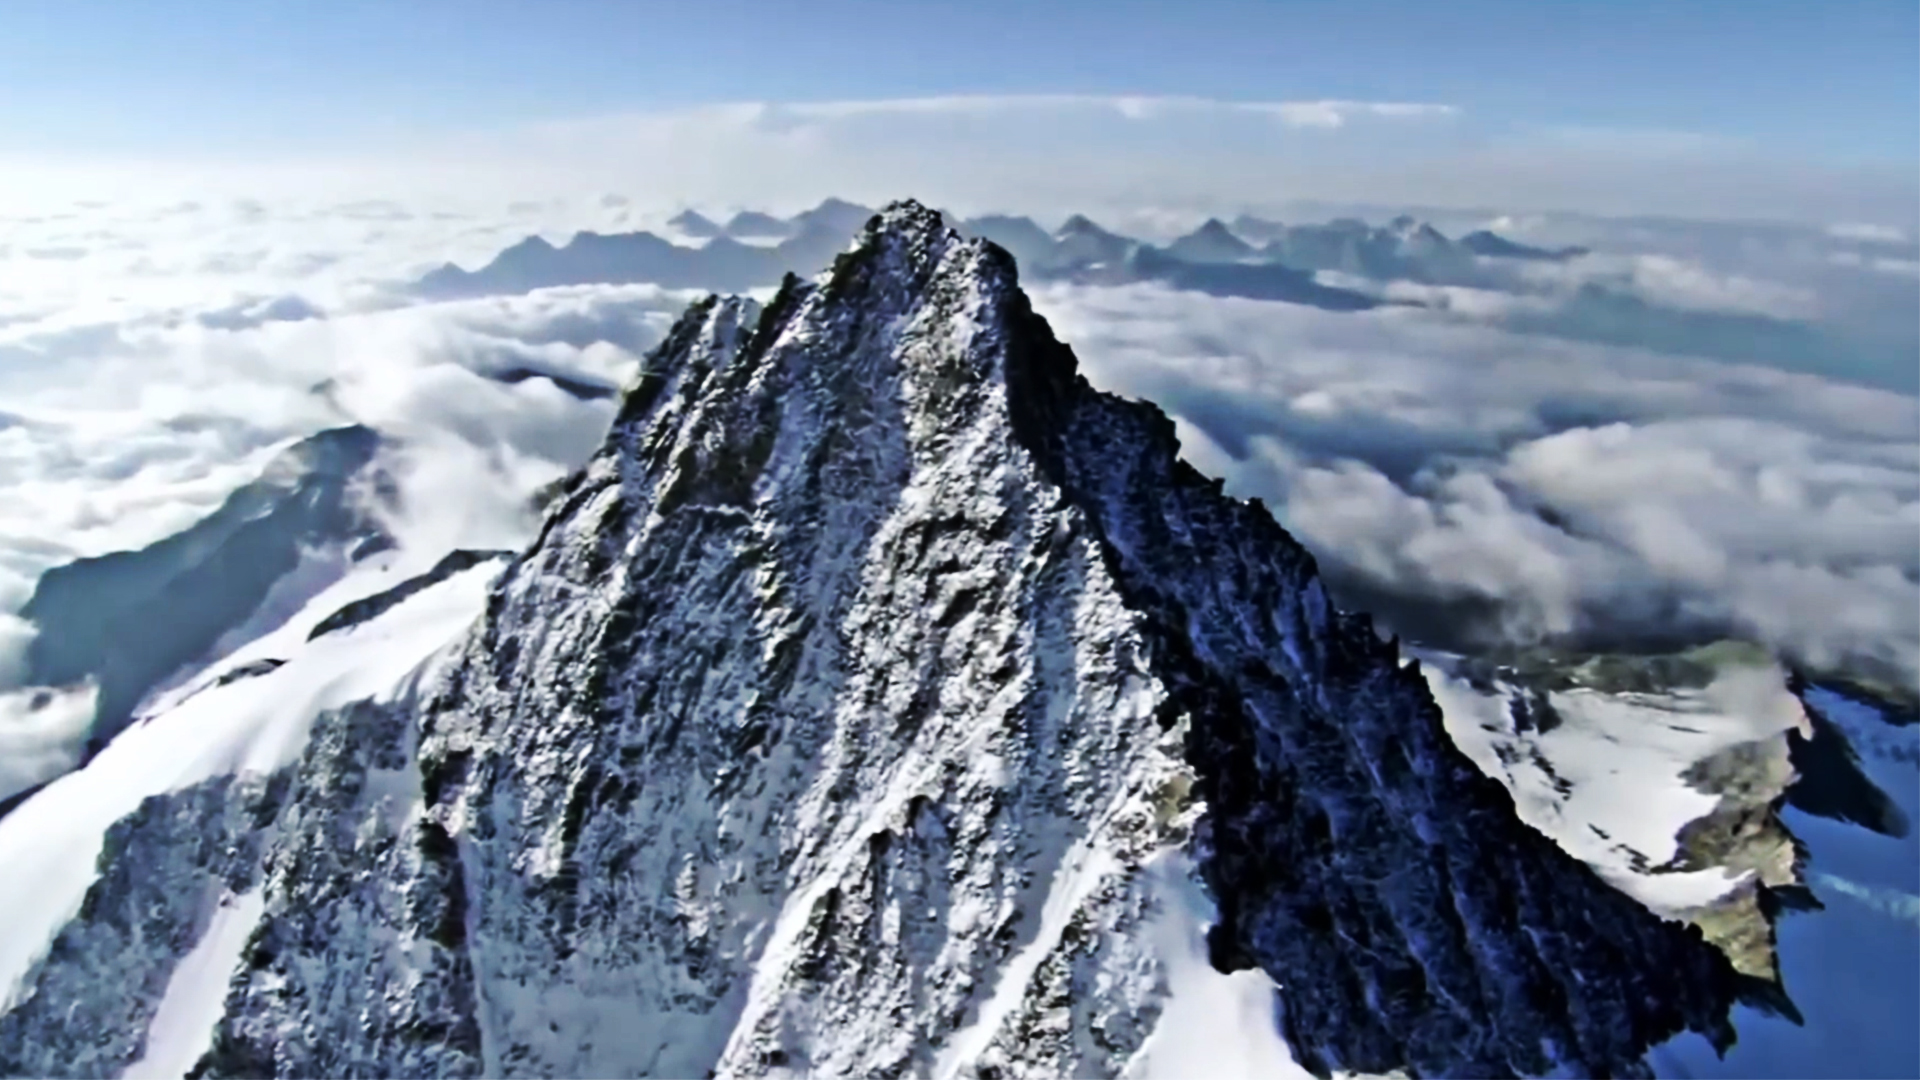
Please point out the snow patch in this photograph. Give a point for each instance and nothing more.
(1081, 872)
(1608, 783)
(1213, 1026)
(182, 1027)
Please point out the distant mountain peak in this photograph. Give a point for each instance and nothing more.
(1080, 225)
(832, 216)
(832, 204)
(754, 225)
(1211, 242)
(692, 223)
(1491, 244)
(532, 242)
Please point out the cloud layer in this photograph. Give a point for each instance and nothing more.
(1314, 114)
(1478, 485)
(139, 393)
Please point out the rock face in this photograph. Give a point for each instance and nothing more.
(827, 729)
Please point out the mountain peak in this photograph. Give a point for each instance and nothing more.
(692, 223)
(833, 216)
(910, 226)
(1081, 225)
(906, 215)
(1212, 242)
(1484, 242)
(874, 657)
(755, 225)
(976, 441)
(532, 243)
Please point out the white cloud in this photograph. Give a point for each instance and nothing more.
(39, 733)
(134, 403)
(1538, 488)
(110, 450)
(1896, 267)
(1681, 283)
(1318, 114)
(1333, 114)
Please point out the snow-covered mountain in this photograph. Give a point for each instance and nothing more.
(879, 699)
(260, 554)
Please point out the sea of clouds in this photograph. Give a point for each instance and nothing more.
(1478, 485)
(1472, 470)
(155, 358)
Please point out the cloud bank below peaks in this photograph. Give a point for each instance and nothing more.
(1477, 486)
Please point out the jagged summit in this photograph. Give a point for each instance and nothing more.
(904, 219)
(908, 238)
(866, 706)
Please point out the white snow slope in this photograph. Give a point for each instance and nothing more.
(51, 843)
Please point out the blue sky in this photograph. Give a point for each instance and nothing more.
(1833, 82)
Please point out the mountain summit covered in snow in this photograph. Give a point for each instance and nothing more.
(880, 699)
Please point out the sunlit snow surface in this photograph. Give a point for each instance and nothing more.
(1619, 760)
(182, 1027)
(50, 844)
(1214, 1026)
